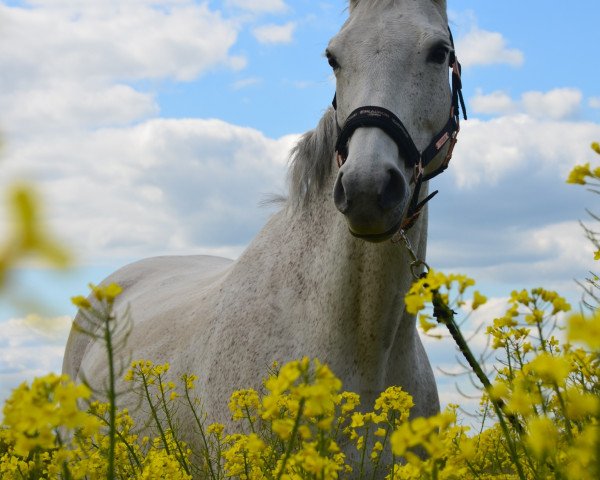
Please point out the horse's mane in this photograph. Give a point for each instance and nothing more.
(311, 161)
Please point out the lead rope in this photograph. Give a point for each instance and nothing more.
(416, 263)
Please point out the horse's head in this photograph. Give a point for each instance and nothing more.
(392, 54)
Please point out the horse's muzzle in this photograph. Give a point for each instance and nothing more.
(373, 201)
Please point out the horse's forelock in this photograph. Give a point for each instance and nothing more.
(311, 161)
(354, 3)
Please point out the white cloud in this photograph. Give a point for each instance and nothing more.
(480, 47)
(30, 346)
(160, 186)
(246, 82)
(549, 254)
(66, 64)
(488, 151)
(556, 104)
(275, 34)
(66, 105)
(594, 102)
(21, 332)
(260, 6)
(102, 41)
(492, 103)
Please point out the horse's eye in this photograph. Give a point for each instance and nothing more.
(438, 54)
(331, 60)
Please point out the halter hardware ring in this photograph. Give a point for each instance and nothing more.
(400, 237)
(453, 141)
(418, 172)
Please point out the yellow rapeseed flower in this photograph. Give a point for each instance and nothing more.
(580, 404)
(585, 329)
(81, 302)
(578, 174)
(478, 300)
(244, 403)
(394, 402)
(542, 437)
(106, 293)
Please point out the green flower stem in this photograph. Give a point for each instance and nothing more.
(561, 400)
(65, 466)
(434, 472)
(155, 414)
(124, 441)
(249, 417)
(383, 445)
(169, 418)
(202, 434)
(112, 395)
(362, 456)
(288, 451)
(445, 315)
(246, 465)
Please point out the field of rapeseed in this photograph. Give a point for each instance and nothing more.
(540, 410)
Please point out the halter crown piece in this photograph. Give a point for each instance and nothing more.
(372, 116)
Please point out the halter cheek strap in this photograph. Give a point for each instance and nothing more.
(379, 117)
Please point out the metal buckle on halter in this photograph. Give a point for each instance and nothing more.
(453, 140)
(418, 172)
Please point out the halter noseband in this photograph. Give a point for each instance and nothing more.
(372, 116)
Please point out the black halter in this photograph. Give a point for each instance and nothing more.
(372, 116)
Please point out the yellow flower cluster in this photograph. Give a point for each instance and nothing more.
(35, 412)
(296, 416)
(546, 395)
(550, 390)
(430, 447)
(580, 172)
(244, 404)
(421, 291)
(301, 420)
(47, 434)
(450, 287)
(102, 293)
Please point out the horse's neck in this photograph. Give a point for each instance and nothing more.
(348, 294)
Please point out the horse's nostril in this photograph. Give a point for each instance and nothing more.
(393, 191)
(339, 195)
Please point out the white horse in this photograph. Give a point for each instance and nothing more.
(321, 279)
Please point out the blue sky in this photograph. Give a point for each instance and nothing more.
(156, 127)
